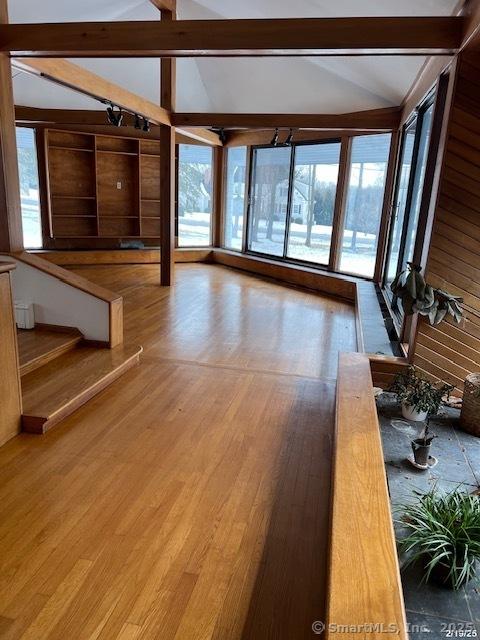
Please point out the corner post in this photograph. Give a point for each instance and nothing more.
(11, 235)
(167, 164)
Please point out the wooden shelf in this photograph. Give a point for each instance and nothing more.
(52, 146)
(100, 210)
(74, 197)
(118, 153)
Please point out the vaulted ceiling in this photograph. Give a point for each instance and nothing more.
(297, 85)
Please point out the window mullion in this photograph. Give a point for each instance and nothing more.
(289, 200)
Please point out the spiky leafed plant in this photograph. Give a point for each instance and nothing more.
(444, 533)
(419, 297)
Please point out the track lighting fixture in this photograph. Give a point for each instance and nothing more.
(220, 131)
(114, 118)
(115, 115)
(274, 141)
(289, 139)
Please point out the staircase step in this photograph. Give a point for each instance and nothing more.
(58, 388)
(37, 347)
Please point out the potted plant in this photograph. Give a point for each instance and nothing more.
(421, 448)
(419, 397)
(444, 534)
(419, 297)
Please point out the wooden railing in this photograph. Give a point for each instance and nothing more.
(113, 300)
(364, 589)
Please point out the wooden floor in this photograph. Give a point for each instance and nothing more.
(190, 499)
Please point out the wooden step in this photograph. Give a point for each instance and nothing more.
(58, 388)
(39, 346)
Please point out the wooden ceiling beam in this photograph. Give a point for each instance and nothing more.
(387, 118)
(82, 117)
(80, 79)
(59, 116)
(165, 5)
(261, 137)
(200, 135)
(264, 37)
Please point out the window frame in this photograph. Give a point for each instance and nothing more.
(251, 183)
(177, 200)
(245, 199)
(380, 242)
(417, 117)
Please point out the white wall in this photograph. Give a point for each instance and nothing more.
(56, 302)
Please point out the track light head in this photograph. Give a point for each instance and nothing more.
(220, 131)
(289, 139)
(146, 125)
(137, 124)
(274, 140)
(111, 115)
(114, 119)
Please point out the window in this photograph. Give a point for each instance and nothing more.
(399, 208)
(314, 190)
(268, 206)
(235, 197)
(293, 199)
(417, 188)
(368, 167)
(28, 173)
(194, 195)
(411, 170)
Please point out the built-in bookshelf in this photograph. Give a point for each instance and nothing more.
(102, 186)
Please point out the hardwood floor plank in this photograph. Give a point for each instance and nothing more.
(190, 498)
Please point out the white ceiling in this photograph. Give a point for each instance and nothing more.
(278, 85)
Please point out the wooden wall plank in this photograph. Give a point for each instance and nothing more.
(450, 352)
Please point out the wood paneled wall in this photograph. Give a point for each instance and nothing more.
(450, 351)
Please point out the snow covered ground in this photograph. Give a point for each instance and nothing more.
(194, 230)
(32, 229)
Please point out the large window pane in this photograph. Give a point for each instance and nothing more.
(419, 180)
(366, 188)
(235, 198)
(28, 173)
(194, 195)
(270, 193)
(313, 201)
(401, 200)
